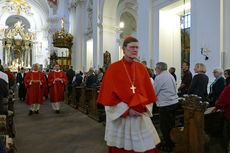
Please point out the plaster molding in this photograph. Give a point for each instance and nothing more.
(76, 3)
(110, 27)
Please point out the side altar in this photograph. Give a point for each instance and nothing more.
(17, 43)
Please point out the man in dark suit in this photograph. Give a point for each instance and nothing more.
(21, 86)
(70, 74)
(91, 79)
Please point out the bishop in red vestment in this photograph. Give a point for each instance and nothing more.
(56, 81)
(35, 83)
(128, 95)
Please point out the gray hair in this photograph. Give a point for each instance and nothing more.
(219, 70)
(162, 66)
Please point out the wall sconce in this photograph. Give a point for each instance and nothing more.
(204, 51)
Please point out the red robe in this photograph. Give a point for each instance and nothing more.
(224, 102)
(34, 94)
(115, 88)
(56, 90)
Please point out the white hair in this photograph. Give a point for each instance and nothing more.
(219, 70)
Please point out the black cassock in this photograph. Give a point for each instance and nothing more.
(21, 88)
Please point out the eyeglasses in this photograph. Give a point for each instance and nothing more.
(133, 47)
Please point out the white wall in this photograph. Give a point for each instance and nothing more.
(206, 27)
(170, 41)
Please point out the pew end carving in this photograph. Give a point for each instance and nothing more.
(191, 138)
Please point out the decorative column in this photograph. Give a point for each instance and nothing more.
(8, 54)
(12, 50)
(72, 30)
(31, 54)
(4, 52)
(145, 30)
(23, 57)
(78, 31)
(226, 35)
(96, 32)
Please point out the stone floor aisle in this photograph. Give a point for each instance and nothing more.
(68, 132)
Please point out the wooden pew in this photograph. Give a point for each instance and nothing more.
(66, 98)
(95, 111)
(82, 103)
(78, 94)
(191, 138)
(7, 130)
(73, 99)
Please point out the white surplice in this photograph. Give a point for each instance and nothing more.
(130, 133)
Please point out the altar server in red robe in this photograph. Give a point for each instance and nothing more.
(57, 81)
(128, 95)
(35, 83)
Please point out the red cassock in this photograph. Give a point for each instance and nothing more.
(35, 91)
(56, 90)
(116, 88)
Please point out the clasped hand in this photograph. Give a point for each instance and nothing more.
(58, 79)
(35, 81)
(132, 112)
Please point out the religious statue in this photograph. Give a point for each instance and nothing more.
(107, 59)
(63, 22)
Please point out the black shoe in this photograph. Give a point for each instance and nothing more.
(57, 111)
(30, 112)
(37, 112)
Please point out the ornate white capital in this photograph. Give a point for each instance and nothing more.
(75, 3)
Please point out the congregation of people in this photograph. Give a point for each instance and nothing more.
(34, 85)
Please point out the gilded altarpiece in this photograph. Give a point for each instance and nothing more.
(17, 47)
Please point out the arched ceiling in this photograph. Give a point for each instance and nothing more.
(130, 24)
(14, 18)
(37, 21)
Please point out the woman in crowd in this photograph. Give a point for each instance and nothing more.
(217, 86)
(199, 81)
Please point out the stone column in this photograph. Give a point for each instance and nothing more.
(145, 30)
(96, 40)
(226, 35)
(79, 29)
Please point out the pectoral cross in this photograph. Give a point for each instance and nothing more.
(133, 88)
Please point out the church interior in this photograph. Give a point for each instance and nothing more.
(86, 36)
